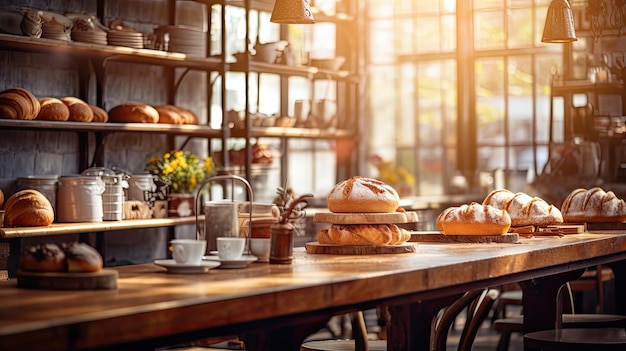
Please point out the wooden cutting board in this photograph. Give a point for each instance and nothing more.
(606, 226)
(104, 279)
(438, 237)
(557, 229)
(317, 248)
(365, 218)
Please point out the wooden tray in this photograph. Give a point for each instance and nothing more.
(557, 229)
(365, 218)
(104, 279)
(438, 237)
(317, 248)
(606, 226)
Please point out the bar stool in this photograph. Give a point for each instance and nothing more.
(576, 339)
(478, 302)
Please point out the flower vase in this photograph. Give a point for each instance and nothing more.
(180, 205)
(281, 243)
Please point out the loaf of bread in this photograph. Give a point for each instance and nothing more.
(18, 103)
(53, 109)
(473, 219)
(188, 116)
(99, 114)
(43, 258)
(72, 257)
(363, 234)
(82, 258)
(79, 110)
(524, 209)
(1, 199)
(359, 194)
(133, 113)
(28, 208)
(170, 114)
(593, 205)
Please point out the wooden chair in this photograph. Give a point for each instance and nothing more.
(478, 302)
(576, 339)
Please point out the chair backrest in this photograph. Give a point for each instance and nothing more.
(478, 302)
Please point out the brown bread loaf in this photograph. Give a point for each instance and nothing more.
(99, 114)
(524, 209)
(28, 208)
(133, 113)
(170, 114)
(82, 257)
(79, 110)
(473, 219)
(18, 103)
(43, 258)
(53, 109)
(363, 234)
(359, 194)
(593, 205)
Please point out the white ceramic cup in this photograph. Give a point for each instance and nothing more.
(229, 248)
(260, 247)
(188, 251)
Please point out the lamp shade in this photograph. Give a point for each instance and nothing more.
(292, 12)
(559, 27)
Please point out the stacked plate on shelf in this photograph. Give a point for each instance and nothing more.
(184, 39)
(125, 38)
(92, 37)
(55, 26)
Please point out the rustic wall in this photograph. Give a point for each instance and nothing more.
(24, 152)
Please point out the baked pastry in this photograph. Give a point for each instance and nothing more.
(18, 103)
(363, 234)
(28, 208)
(170, 114)
(133, 113)
(473, 219)
(524, 209)
(593, 205)
(188, 116)
(79, 110)
(99, 114)
(82, 257)
(359, 194)
(53, 109)
(43, 258)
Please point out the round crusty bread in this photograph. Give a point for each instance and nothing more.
(188, 115)
(28, 208)
(359, 194)
(363, 234)
(170, 114)
(53, 109)
(82, 257)
(79, 110)
(43, 258)
(14, 106)
(99, 114)
(133, 113)
(32, 105)
(473, 219)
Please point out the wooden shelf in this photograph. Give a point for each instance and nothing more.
(580, 87)
(90, 227)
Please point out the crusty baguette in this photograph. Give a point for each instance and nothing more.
(593, 205)
(524, 209)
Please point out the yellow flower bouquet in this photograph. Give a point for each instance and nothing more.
(181, 170)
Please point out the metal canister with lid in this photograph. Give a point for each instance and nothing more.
(79, 199)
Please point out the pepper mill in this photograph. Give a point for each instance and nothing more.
(281, 243)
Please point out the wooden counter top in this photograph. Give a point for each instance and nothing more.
(151, 303)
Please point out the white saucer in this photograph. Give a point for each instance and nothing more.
(173, 267)
(243, 262)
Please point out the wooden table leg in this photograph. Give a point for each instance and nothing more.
(285, 336)
(619, 271)
(410, 325)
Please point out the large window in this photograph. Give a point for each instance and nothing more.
(466, 85)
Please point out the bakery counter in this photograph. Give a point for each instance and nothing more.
(90, 227)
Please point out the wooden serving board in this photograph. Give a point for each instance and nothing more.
(104, 279)
(606, 226)
(557, 229)
(438, 237)
(317, 248)
(365, 218)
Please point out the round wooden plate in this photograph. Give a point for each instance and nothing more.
(104, 279)
(365, 218)
(317, 248)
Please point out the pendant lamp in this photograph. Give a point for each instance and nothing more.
(559, 27)
(292, 12)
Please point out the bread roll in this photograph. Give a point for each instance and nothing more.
(99, 114)
(28, 208)
(524, 209)
(18, 103)
(473, 219)
(359, 194)
(43, 258)
(188, 116)
(170, 114)
(593, 205)
(82, 258)
(53, 109)
(134, 113)
(79, 110)
(363, 234)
